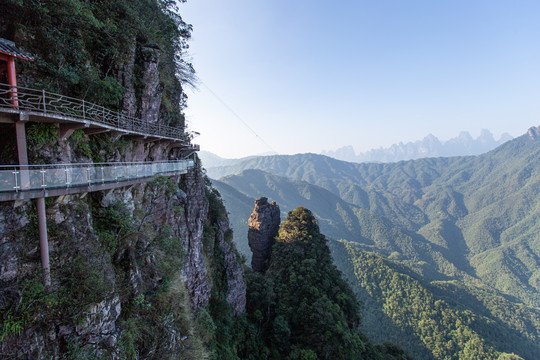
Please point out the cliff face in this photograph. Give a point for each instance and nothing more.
(123, 262)
(137, 272)
(132, 269)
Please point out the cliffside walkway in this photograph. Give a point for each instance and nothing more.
(24, 104)
(36, 181)
(18, 105)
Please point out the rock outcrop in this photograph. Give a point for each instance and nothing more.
(152, 88)
(194, 272)
(263, 229)
(236, 292)
(126, 78)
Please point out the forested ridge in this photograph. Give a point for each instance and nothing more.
(434, 317)
(302, 306)
(465, 228)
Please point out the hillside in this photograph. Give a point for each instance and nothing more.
(337, 218)
(474, 209)
(301, 306)
(436, 319)
(470, 220)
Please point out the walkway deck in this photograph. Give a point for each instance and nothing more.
(19, 105)
(43, 106)
(30, 182)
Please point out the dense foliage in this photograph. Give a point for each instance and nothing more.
(301, 306)
(436, 325)
(81, 47)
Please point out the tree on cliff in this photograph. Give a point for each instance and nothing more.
(305, 308)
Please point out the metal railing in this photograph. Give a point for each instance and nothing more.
(15, 178)
(17, 98)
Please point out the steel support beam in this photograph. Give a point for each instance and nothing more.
(67, 129)
(43, 241)
(20, 133)
(94, 131)
(22, 153)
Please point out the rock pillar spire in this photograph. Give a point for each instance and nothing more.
(263, 229)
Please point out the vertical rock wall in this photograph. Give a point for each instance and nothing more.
(92, 321)
(263, 229)
(152, 89)
(194, 272)
(126, 78)
(236, 293)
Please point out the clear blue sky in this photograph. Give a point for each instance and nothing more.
(317, 75)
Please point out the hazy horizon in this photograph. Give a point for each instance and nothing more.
(328, 152)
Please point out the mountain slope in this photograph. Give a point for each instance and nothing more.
(465, 229)
(435, 319)
(337, 218)
(473, 209)
(518, 323)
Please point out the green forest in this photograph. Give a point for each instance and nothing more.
(302, 306)
(464, 229)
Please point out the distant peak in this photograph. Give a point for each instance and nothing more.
(534, 132)
(465, 135)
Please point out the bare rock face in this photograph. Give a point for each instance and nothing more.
(263, 229)
(153, 89)
(236, 292)
(194, 272)
(126, 78)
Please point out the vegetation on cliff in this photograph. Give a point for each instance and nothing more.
(96, 50)
(301, 305)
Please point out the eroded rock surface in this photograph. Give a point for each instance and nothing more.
(263, 229)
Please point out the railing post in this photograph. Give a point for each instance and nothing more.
(43, 185)
(44, 102)
(83, 111)
(88, 176)
(17, 187)
(67, 177)
(102, 176)
(115, 174)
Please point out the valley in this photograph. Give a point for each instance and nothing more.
(462, 229)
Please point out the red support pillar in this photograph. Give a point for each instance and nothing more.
(12, 79)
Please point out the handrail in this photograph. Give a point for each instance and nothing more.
(15, 178)
(62, 165)
(20, 98)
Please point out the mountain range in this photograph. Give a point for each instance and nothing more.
(461, 231)
(430, 146)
